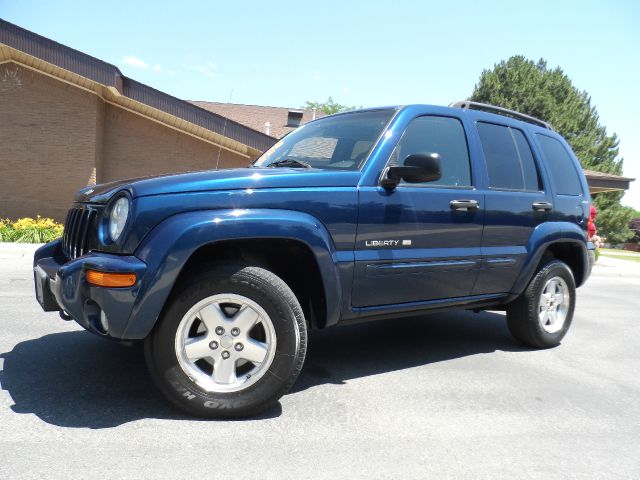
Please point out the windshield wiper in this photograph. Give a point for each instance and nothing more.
(289, 162)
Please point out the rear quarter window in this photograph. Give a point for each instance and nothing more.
(560, 165)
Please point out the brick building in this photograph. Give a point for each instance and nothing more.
(68, 120)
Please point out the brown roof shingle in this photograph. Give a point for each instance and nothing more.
(256, 116)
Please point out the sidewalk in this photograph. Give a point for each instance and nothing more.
(615, 267)
(14, 250)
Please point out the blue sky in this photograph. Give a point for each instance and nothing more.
(360, 53)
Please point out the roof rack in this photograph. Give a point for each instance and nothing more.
(466, 105)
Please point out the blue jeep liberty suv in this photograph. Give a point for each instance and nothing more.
(376, 213)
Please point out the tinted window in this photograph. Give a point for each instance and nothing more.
(509, 159)
(441, 135)
(340, 141)
(560, 165)
(529, 172)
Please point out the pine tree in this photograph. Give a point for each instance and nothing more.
(534, 89)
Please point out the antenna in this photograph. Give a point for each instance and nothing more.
(224, 130)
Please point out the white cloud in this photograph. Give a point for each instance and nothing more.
(315, 76)
(207, 69)
(157, 68)
(135, 62)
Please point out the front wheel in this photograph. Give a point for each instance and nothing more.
(230, 343)
(541, 316)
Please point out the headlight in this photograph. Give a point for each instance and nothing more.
(118, 218)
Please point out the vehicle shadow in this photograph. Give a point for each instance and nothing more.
(77, 380)
(337, 355)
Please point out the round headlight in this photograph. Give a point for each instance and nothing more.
(118, 218)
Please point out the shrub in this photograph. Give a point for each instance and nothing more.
(634, 226)
(30, 230)
(5, 230)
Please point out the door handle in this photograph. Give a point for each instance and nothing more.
(464, 205)
(542, 206)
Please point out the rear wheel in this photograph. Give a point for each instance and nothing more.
(231, 342)
(542, 315)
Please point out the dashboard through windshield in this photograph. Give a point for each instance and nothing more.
(341, 142)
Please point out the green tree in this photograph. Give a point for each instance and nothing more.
(329, 107)
(532, 88)
(613, 219)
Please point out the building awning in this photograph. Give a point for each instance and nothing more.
(606, 182)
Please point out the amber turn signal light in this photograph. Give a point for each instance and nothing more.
(113, 280)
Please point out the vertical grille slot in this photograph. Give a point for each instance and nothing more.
(65, 236)
(72, 233)
(87, 222)
(80, 232)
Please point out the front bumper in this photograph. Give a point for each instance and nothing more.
(61, 285)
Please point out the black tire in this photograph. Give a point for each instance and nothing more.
(522, 314)
(264, 288)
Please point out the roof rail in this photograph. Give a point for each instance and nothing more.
(466, 105)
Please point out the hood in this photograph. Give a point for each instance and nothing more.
(209, 180)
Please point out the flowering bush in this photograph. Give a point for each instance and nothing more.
(598, 241)
(30, 230)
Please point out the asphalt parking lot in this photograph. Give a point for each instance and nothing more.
(443, 396)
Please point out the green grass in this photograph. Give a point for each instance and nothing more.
(616, 251)
(631, 258)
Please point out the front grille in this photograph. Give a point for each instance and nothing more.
(80, 232)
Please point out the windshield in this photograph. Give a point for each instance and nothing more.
(337, 142)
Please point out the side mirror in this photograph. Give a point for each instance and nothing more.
(417, 168)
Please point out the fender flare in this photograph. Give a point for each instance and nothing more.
(171, 243)
(545, 235)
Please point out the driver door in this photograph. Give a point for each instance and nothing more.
(421, 242)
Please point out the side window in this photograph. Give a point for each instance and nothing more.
(509, 159)
(530, 175)
(560, 165)
(444, 136)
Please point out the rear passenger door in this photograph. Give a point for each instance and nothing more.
(515, 203)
